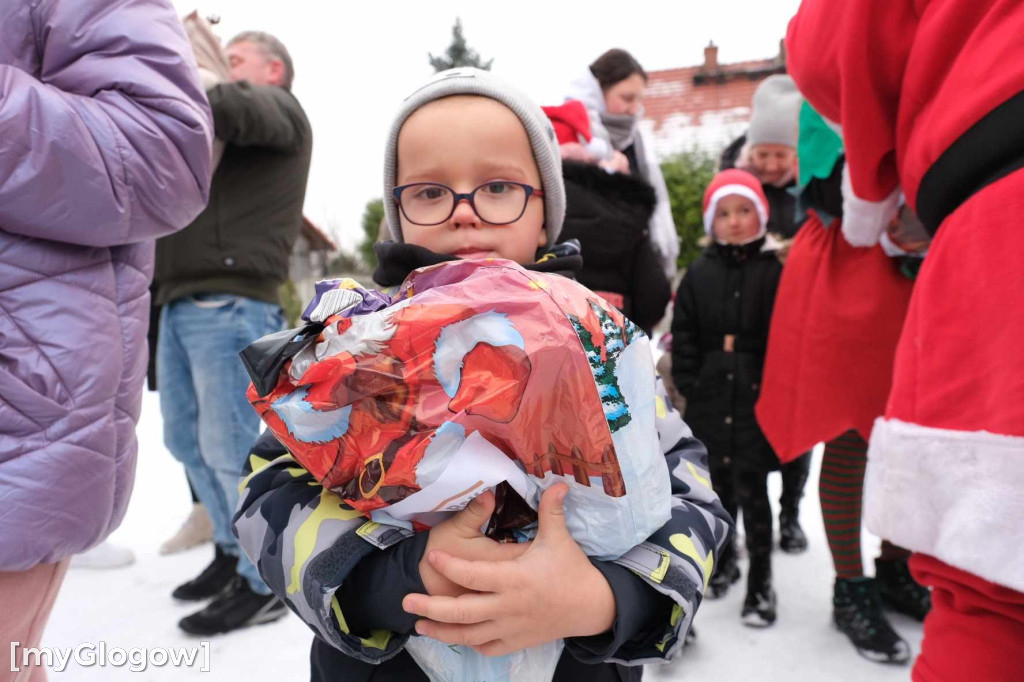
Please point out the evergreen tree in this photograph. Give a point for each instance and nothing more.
(604, 362)
(686, 176)
(458, 54)
(373, 214)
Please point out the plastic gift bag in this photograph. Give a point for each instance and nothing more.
(477, 375)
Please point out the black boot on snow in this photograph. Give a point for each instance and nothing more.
(899, 591)
(759, 606)
(236, 608)
(857, 612)
(212, 581)
(726, 573)
(791, 536)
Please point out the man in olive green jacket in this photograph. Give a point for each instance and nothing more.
(217, 281)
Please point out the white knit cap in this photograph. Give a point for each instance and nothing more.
(775, 114)
(469, 81)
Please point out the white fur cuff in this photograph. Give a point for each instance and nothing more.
(954, 495)
(864, 221)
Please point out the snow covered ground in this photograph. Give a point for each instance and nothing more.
(131, 607)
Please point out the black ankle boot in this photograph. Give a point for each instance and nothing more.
(726, 572)
(857, 612)
(760, 604)
(237, 607)
(211, 581)
(899, 591)
(791, 536)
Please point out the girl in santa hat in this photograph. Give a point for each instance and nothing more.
(719, 334)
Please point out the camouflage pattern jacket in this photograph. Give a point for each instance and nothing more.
(306, 542)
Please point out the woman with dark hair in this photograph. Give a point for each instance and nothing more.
(612, 91)
(608, 211)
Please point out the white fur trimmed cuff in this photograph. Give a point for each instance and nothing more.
(955, 495)
(864, 221)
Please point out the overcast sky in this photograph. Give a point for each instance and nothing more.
(355, 62)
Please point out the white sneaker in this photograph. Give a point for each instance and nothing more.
(197, 529)
(103, 556)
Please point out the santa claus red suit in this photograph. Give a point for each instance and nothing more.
(930, 97)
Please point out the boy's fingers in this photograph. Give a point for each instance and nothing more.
(507, 551)
(551, 513)
(466, 609)
(476, 514)
(464, 635)
(497, 647)
(479, 576)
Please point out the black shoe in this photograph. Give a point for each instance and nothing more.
(857, 612)
(899, 591)
(211, 581)
(759, 606)
(726, 572)
(791, 536)
(238, 607)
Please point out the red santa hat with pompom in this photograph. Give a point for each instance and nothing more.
(729, 182)
(571, 122)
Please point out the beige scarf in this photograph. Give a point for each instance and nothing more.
(211, 60)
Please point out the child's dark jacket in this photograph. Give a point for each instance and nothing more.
(719, 336)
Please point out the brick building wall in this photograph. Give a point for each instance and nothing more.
(706, 106)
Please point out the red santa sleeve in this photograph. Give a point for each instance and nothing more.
(848, 59)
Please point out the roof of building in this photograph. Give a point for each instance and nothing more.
(317, 238)
(704, 106)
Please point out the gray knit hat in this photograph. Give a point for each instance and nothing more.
(468, 81)
(776, 112)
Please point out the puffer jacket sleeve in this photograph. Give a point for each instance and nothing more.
(109, 143)
(686, 352)
(260, 116)
(305, 541)
(678, 560)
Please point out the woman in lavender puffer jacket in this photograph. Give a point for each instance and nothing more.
(105, 140)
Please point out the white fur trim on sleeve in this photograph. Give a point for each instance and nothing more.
(600, 148)
(954, 495)
(864, 221)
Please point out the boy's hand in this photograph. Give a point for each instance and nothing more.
(460, 536)
(550, 592)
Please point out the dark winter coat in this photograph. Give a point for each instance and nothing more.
(349, 587)
(609, 214)
(725, 301)
(782, 218)
(242, 243)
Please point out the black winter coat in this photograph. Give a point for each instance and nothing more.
(782, 219)
(719, 335)
(242, 242)
(609, 214)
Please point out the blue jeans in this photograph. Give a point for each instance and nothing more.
(209, 424)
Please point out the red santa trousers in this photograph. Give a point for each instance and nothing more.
(945, 472)
(975, 630)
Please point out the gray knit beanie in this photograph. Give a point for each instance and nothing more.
(468, 81)
(776, 112)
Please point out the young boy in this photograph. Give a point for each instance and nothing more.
(719, 336)
(472, 170)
